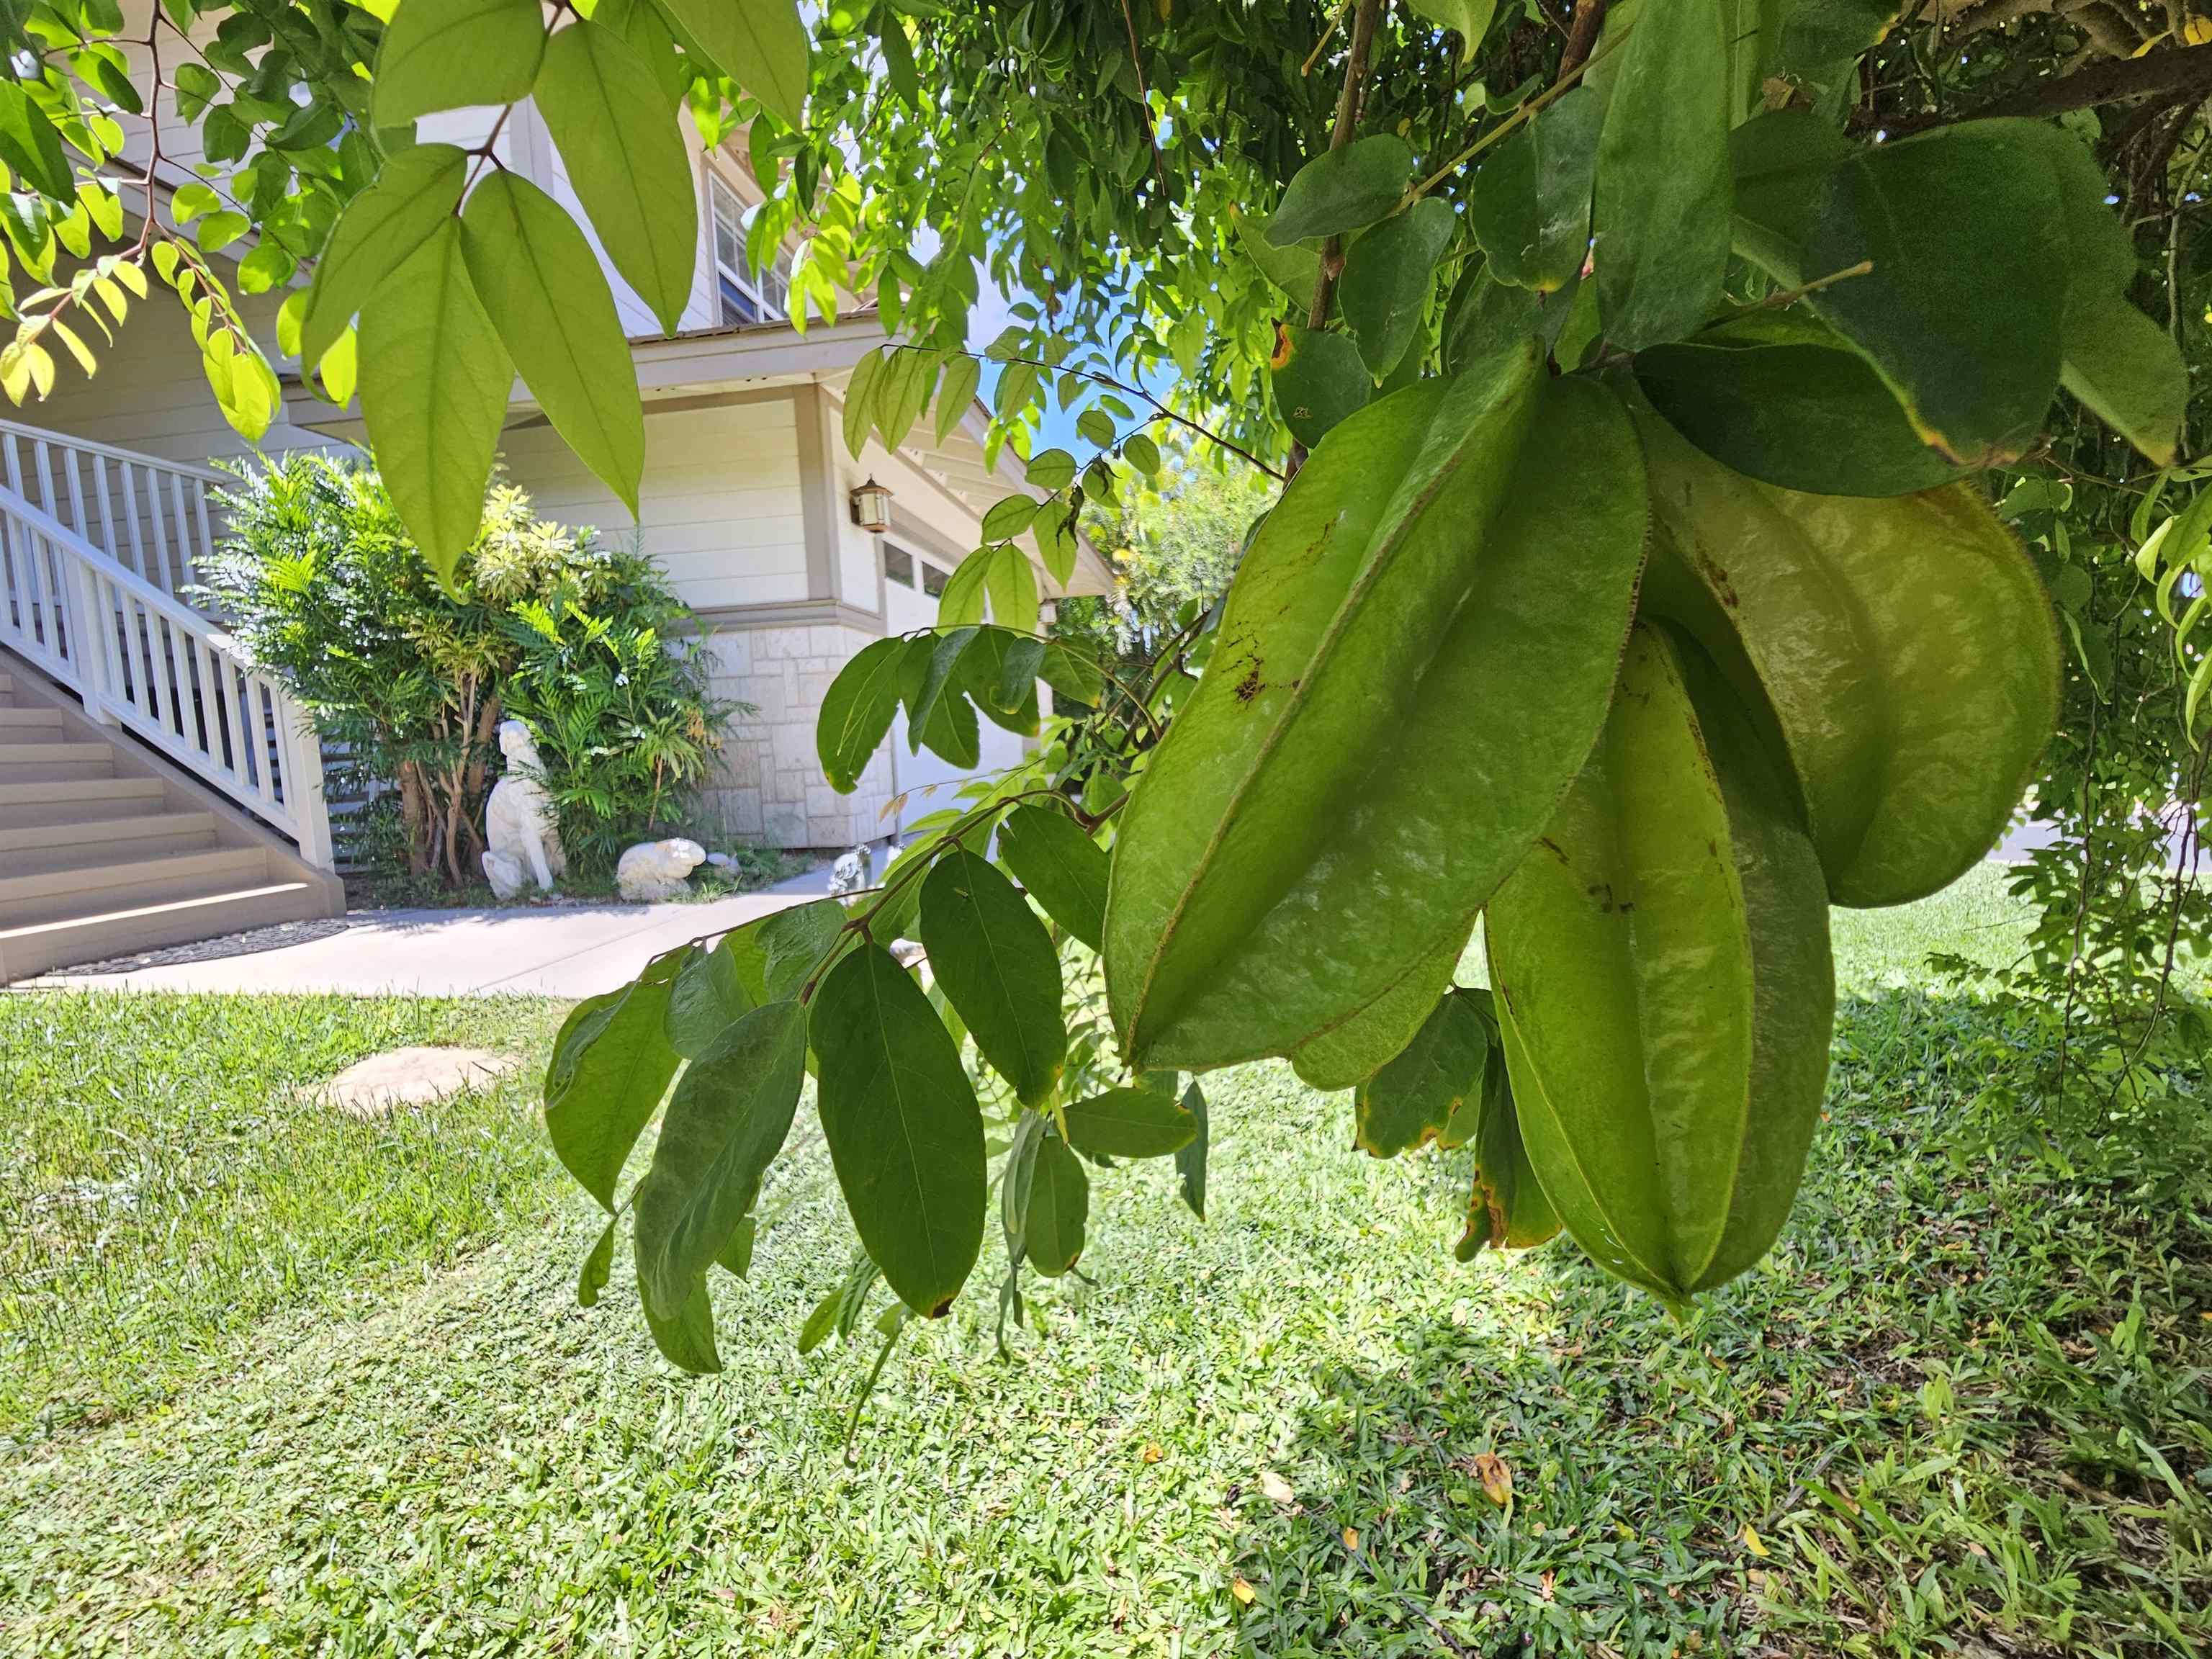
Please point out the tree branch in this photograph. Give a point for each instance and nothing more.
(1582, 35)
(2182, 72)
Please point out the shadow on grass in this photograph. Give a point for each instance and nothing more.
(1962, 1406)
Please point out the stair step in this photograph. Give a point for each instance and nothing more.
(56, 895)
(43, 849)
(43, 763)
(37, 947)
(31, 725)
(68, 800)
(7, 685)
(101, 828)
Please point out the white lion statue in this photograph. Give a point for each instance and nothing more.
(520, 839)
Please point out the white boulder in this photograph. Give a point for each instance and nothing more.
(654, 870)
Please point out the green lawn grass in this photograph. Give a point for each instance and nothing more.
(169, 1181)
(1963, 1408)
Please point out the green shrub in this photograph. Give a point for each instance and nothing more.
(321, 585)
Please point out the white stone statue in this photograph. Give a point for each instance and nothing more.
(655, 870)
(520, 839)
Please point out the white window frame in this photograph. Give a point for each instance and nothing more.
(768, 294)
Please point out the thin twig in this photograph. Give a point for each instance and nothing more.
(1348, 122)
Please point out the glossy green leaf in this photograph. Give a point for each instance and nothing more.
(1386, 278)
(597, 1267)
(1055, 531)
(1059, 1205)
(727, 1120)
(859, 411)
(1417, 652)
(31, 147)
(451, 54)
(611, 1065)
(956, 394)
(857, 711)
(1015, 1182)
(642, 26)
(1342, 190)
(1061, 866)
(1485, 317)
(434, 381)
(687, 1340)
(795, 944)
(2129, 371)
(1320, 378)
(903, 1128)
(1779, 398)
(1664, 194)
(710, 995)
(1780, 162)
(545, 292)
(1961, 310)
(1904, 646)
(1818, 34)
(1049, 470)
(998, 671)
(941, 718)
(1190, 1162)
(992, 956)
(625, 161)
(1010, 584)
(1128, 1123)
(1294, 269)
(1072, 673)
(1411, 1100)
(1664, 991)
(1530, 207)
(1470, 19)
(759, 44)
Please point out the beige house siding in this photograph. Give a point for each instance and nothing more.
(719, 507)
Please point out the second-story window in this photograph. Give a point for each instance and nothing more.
(741, 295)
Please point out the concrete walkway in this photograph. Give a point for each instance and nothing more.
(560, 951)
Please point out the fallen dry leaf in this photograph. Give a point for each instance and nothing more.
(1752, 1542)
(1243, 1591)
(1350, 1539)
(1496, 1478)
(1277, 1489)
(1152, 1454)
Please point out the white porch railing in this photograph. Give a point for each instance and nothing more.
(142, 659)
(151, 516)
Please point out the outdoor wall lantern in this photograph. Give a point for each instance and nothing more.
(871, 506)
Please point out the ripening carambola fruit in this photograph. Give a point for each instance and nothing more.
(1899, 650)
(1664, 990)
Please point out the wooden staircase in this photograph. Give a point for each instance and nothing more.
(105, 851)
(156, 787)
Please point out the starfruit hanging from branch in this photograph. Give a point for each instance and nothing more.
(1415, 656)
(1904, 646)
(1664, 987)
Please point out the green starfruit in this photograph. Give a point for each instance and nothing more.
(1415, 657)
(1664, 990)
(1904, 646)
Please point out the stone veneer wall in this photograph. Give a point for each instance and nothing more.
(770, 787)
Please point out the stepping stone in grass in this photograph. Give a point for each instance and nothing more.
(375, 1087)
